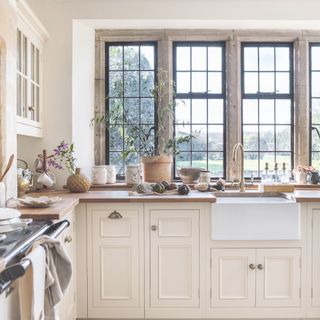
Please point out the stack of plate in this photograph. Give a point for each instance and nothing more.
(10, 220)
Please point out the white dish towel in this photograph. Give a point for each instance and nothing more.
(32, 286)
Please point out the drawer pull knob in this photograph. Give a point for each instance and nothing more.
(252, 266)
(153, 228)
(67, 239)
(260, 266)
(115, 215)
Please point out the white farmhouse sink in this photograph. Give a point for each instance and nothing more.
(255, 216)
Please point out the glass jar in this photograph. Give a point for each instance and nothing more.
(99, 175)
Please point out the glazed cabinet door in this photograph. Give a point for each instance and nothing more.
(232, 278)
(115, 261)
(174, 258)
(278, 277)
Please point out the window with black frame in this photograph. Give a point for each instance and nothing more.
(130, 80)
(315, 104)
(267, 106)
(199, 76)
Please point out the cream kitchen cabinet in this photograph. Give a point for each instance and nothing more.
(115, 261)
(255, 278)
(315, 280)
(67, 307)
(31, 36)
(173, 264)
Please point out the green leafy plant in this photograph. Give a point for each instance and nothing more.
(140, 139)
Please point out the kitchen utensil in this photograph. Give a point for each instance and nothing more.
(7, 167)
(45, 179)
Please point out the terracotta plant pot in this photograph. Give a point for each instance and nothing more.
(78, 182)
(157, 168)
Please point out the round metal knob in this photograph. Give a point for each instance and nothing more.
(153, 228)
(68, 239)
(252, 266)
(260, 266)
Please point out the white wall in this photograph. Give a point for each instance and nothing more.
(8, 27)
(67, 114)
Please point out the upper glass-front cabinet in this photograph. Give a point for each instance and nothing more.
(31, 36)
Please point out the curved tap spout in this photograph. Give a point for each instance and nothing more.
(238, 147)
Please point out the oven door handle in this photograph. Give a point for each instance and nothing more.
(57, 228)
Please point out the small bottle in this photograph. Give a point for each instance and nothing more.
(276, 175)
(264, 178)
(284, 176)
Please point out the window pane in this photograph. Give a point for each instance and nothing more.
(251, 59)
(199, 82)
(115, 84)
(250, 138)
(199, 111)
(200, 143)
(199, 58)
(131, 110)
(115, 139)
(283, 111)
(266, 138)
(131, 84)
(214, 59)
(283, 82)
(115, 58)
(147, 111)
(146, 83)
(250, 111)
(215, 111)
(182, 160)
(199, 160)
(251, 164)
(215, 138)
(147, 57)
(215, 164)
(131, 58)
(183, 82)
(283, 138)
(182, 131)
(116, 111)
(183, 58)
(315, 110)
(182, 111)
(250, 82)
(284, 157)
(266, 81)
(116, 159)
(266, 111)
(214, 82)
(266, 59)
(282, 59)
(315, 58)
(315, 78)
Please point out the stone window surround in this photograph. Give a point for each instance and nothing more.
(233, 39)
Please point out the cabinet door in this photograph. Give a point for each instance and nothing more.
(278, 278)
(316, 258)
(233, 277)
(174, 253)
(115, 261)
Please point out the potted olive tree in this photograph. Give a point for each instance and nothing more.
(151, 143)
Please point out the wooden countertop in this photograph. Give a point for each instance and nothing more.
(71, 200)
